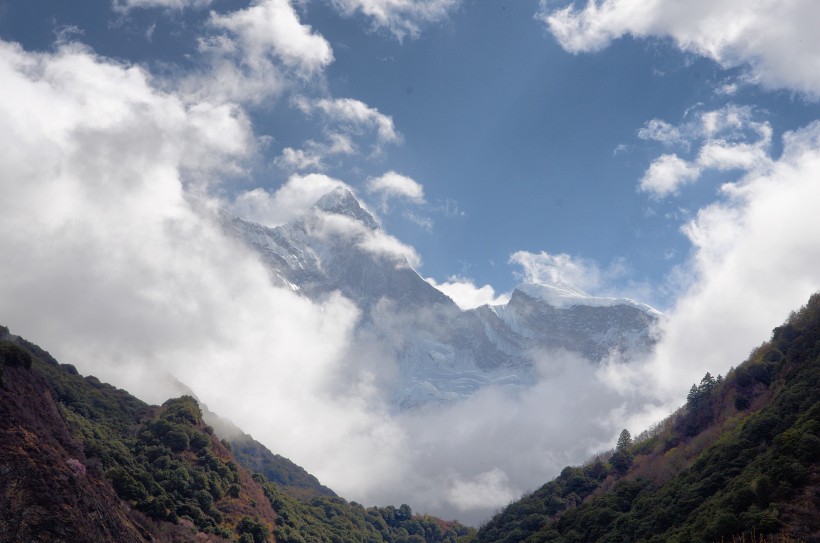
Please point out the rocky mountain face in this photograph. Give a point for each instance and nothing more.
(442, 353)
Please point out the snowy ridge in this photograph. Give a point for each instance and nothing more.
(442, 353)
(565, 296)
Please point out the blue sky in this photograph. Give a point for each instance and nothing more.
(519, 144)
(665, 151)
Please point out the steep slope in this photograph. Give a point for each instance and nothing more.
(46, 491)
(443, 353)
(740, 460)
(290, 477)
(83, 461)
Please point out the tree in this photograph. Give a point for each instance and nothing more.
(624, 441)
(621, 461)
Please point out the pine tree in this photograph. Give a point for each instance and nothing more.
(624, 441)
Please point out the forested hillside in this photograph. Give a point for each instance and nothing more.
(83, 461)
(739, 462)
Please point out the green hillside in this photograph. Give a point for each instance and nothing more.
(83, 461)
(739, 462)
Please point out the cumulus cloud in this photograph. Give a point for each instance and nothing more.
(661, 131)
(271, 28)
(351, 115)
(400, 17)
(288, 202)
(466, 294)
(666, 174)
(731, 32)
(255, 53)
(392, 185)
(346, 122)
(729, 138)
(315, 154)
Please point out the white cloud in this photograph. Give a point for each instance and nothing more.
(352, 115)
(288, 202)
(729, 138)
(376, 242)
(271, 28)
(400, 17)
(558, 270)
(491, 488)
(300, 159)
(666, 174)
(661, 131)
(466, 295)
(776, 41)
(315, 154)
(469, 458)
(392, 185)
(256, 53)
(345, 121)
(179, 5)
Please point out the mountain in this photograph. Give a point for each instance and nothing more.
(82, 461)
(443, 353)
(739, 462)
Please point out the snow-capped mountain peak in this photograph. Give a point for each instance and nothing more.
(441, 353)
(340, 201)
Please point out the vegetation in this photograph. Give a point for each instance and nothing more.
(179, 480)
(740, 462)
(332, 520)
(277, 469)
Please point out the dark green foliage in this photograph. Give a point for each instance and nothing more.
(278, 469)
(155, 479)
(14, 356)
(758, 477)
(257, 531)
(328, 519)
